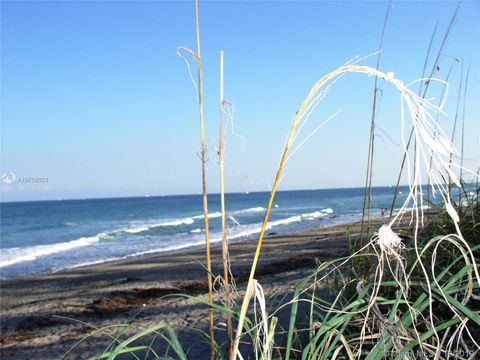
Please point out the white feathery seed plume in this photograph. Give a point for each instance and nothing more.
(388, 240)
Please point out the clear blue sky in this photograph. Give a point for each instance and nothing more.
(94, 97)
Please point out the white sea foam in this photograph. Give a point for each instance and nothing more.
(17, 255)
(185, 221)
(139, 229)
(314, 215)
(254, 229)
(218, 214)
(197, 230)
(215, 215)
(248, 230)
(244, 233)
(210, 215)
(289, 220)
(299, 218)
(250, 210)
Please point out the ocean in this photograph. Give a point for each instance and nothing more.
(48, 236)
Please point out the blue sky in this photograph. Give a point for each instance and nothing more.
(94, 97)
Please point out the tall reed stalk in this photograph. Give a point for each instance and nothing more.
(442, 96)
(435, 68)
(463, 134)
(367, 199)
(204, 183)
(221, 155)
(457, 109)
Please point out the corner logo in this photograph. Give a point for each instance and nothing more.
(9, 178)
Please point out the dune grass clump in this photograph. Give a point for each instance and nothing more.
(396, 317)
(431, 144)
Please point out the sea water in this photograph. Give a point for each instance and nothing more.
(48, 236)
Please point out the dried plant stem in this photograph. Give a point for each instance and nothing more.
(442, 96)
(367, 199)
(432, 74)
(250, 288)
(204, 183)
(221, 153)
(459, 97)
(397, 186)
(463, 134)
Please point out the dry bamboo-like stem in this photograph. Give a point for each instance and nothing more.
(455, 124)
(442, 95)
(463, 135)
(367, 199)
(399, 178)
(204, 183)
(221, 153)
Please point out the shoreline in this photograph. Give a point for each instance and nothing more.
(111, 293)
(186, 250)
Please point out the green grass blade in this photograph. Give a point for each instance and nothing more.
(145, 332)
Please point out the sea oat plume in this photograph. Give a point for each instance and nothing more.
(388, 240)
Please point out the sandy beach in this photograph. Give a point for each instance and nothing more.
(44, 316)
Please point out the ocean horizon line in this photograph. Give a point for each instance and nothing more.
(194, 194)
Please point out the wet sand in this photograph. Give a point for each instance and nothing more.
(40, 315)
